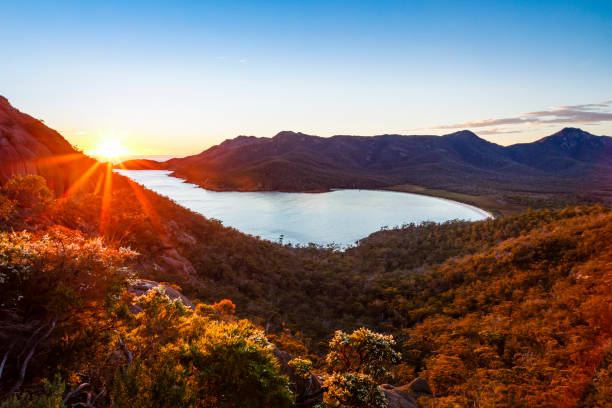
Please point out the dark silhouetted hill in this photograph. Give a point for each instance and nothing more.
(569, 161)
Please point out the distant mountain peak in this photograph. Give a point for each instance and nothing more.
(569, 138)
(289, 133)
(568, 150)
(463, 134)
(236, 142)
(240, 139)
(290, 136)
(574, 133)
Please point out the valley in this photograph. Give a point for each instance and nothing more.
(497, 301)
(570, 167)
(306, 204)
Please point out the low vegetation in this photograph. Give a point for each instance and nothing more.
(512, 312)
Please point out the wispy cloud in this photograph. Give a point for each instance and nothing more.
(497, 131)
(592, 113)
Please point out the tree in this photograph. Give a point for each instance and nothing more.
(358, 362)
(7, 207)
(30, 195)
(363, 351)
(351, 390)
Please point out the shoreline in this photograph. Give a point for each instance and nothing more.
(487, 212)
(484, 212)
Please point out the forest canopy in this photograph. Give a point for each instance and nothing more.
(514, 311)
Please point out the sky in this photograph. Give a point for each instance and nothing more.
(178, 77)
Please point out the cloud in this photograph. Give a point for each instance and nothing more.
(481, 123)
(592, 113)
(497, 131)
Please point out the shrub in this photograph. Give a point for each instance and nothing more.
(363, 351)
(353, 390)
(183, 359)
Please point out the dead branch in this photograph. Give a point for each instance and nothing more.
(126, 352)
(32, 338)
(24, 365)
(5, 358)
(98, 396)
(74, 392)
(91, 400)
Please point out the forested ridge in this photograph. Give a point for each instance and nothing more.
(514, 311)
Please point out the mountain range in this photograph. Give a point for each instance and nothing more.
(570, 160)
(570, 163)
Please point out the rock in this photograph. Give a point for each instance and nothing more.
(405, 396)
(175, 261)
(420, 387)
(308, 391)
(396, 398)
(142, 286)
(283, 358)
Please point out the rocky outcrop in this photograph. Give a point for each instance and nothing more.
(28, 146)
(396, 398)
(420, 387)
(406, 396)
(173, 260)
(142, 286)
(308, 391)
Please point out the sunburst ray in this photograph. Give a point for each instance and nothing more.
(78, 184)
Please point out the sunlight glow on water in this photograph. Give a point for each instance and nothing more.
(341, 217)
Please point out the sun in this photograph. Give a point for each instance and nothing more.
(109, 149)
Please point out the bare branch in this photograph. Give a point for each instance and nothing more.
(32, 337)
(5, 358)
(24, 365)
(126, 352)
(74, 392)
(98, 396)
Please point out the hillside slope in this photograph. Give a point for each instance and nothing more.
(27, 146)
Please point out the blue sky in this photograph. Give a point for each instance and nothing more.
(178, 77)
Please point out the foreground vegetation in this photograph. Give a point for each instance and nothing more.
(507, 312)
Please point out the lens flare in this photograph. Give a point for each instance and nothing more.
(109, 149)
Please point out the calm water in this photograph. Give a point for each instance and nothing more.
(341, 217)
